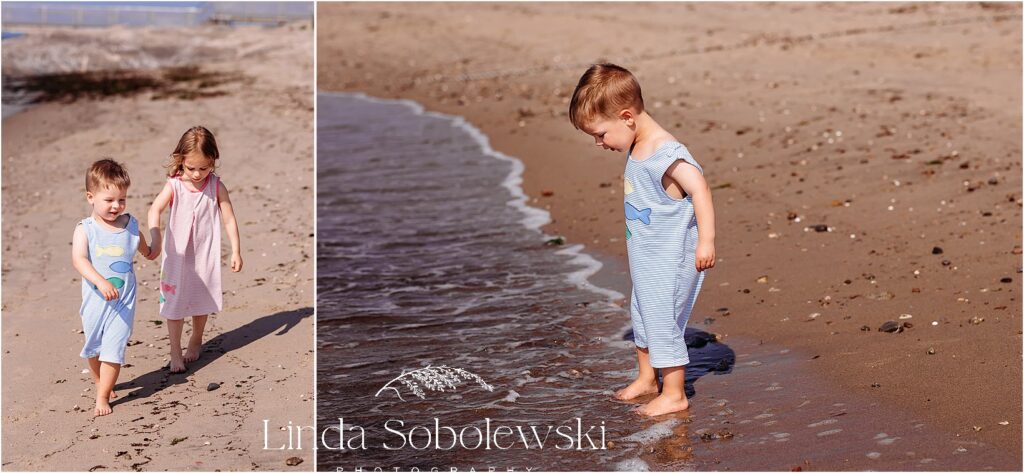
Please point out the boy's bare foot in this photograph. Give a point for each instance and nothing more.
(636, 389)
(662, 405)
(193, 351)
(102, 408)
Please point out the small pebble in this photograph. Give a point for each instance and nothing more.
(212, 386)
(936, 251)
(891, 326)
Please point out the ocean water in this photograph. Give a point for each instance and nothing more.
(143, 13)
(428, 257)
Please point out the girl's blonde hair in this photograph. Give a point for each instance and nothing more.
(196, 139)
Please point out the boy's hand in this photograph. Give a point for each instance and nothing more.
(236, 262)
(108, 290)
(705, 256)
(154, 251)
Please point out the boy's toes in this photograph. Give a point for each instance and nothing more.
(177, 367)
(102, 409)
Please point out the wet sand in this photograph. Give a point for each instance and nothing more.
(259, 348)
(895, 127)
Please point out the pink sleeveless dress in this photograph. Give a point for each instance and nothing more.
(190, 273)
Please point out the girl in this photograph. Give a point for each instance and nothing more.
(190, 272)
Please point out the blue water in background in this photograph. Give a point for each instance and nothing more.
(98, 14)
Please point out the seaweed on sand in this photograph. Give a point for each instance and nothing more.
(185, 83)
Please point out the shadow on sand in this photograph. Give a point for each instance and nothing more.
(157, 380)
(707, 355)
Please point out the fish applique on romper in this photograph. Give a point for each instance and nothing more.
(115, 281)
(112, 250)
(116, 266)
(643, 216)
(121, 267)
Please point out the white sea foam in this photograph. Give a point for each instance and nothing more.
(632, 464)
(533, 218)
(653, 433)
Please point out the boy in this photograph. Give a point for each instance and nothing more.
(102, 248)
(666, 201)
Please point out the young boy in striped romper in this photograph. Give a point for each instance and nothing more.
(666, 201)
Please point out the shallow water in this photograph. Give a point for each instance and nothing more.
(427, 256)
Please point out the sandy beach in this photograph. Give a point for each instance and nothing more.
(865, 161)
(251, 86)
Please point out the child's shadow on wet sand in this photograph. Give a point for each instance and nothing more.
(158, 380)
(706, 356)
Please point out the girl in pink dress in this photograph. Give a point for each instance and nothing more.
(190, 273)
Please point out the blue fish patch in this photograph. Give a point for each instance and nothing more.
(643, 216)
(121, 267)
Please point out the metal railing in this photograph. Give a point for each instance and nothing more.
(261, 12)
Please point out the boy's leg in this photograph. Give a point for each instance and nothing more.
(646, 381)
(195, 342)
(673, 395)
(174, 334)
(94, 370)
(105, 386)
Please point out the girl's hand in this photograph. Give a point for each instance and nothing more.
(236, 262)
(705, 255)
(155, 244)
(108, 290)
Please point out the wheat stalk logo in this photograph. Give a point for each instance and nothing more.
(432, 378)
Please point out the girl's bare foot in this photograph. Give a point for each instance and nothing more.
(637, 388)
(102, 408)
(193, 351)
(177, 364)
(113, 395)
(664, 404)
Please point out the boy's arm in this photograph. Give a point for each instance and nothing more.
(231, 225)
(159, 204)
(692, 181)
(80, 260)
(144, 249)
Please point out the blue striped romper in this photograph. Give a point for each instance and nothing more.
(661, 240)
(108, 324)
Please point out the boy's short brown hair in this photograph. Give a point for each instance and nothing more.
(106, 173)
(603, 91)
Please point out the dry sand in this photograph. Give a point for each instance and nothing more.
(897, 126)
(259, 348)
